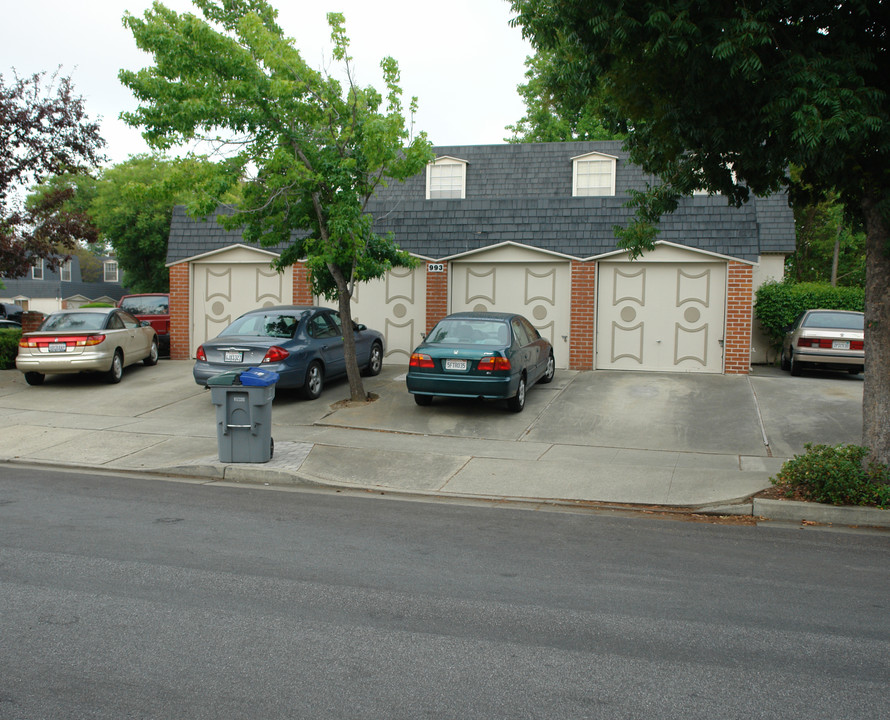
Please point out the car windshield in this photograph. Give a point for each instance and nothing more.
(466, 331)
(844, 321)
(274, 325)
(75, 321)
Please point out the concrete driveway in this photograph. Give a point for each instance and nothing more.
(594, 436)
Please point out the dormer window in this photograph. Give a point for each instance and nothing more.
(446, 179)
(65, 271)
(593, 174)
(110, 271)
(37, 269)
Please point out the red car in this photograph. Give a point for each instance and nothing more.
(155, 308)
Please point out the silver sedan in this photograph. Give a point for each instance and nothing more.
(832, 339)
(103, 340)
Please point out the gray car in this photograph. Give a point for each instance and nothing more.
(831, 339)
(303, 344)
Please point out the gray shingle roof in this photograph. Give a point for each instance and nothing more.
(523, 193)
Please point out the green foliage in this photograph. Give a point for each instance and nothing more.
(777, 304)
(837, 475)
(546, 119)
(97, 305)
(9, 347)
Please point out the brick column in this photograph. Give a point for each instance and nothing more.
(739, 305)
(436, 297)
(179, 312)
(583, 315)
(31, 320)
(302, 288)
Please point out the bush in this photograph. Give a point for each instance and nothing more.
(836, 475)
(777, 304)
(97, 305)
(9, 347)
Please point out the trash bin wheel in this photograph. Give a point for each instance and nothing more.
(271, 447)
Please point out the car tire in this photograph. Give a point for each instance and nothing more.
(423, 400)
(375, 361)
(549, 371)
(785, 363)
(794, 366)
(34, 378)
(116, 372)
(153, 354)
(517, 402)
(855, 370)
(314, 382)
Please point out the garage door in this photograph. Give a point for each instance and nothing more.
(394, 305)
(661, 316)
(224, 289)
(539, 290)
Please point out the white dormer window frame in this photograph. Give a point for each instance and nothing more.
(37, 269)
(593, 175)
(65, 271)
(110, 271)
(446, 179)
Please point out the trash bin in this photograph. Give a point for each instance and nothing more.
(244, 414)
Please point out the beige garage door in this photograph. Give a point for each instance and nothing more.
(539, 290)
(226, 288)
(661, 316)
(394, 305)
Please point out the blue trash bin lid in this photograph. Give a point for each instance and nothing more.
(259, 377)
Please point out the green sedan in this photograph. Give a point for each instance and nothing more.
(480, 355)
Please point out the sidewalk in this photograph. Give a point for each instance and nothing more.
(679, 441)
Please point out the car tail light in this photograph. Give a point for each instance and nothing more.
(420, 360)
(75, 340)
(494, 363)
(275, 354)
(89, 340)
(857, 344)
(201, 355)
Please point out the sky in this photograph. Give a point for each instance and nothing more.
(460, 58)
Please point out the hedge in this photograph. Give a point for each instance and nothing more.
(9, 347)
(777, 304)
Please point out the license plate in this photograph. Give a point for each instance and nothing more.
(57, 347)
(840, 345)
(455, 364)
(232, 356)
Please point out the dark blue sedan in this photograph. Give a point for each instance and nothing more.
(303, 344)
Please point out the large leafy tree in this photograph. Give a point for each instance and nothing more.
(310, 149)
(726, 96)
(44, 130)
(547, 118)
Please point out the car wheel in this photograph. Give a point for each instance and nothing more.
(314, 383)
(854, 370)
(550, 371)
(34, 378)
(517, 402)
(153, 354)
(794, 366)
(423, 400)
(785, 363)
(375, 362)
(116, 372)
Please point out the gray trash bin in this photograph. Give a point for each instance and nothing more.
(244, 415)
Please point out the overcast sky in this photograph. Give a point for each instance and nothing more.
(460, 58)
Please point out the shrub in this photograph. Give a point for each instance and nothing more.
(777, 304)
(97, 305)
(836, 475)
(9, 347)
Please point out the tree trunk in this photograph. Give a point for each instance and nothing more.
(353, 374)
(834, 259)
(876, 391)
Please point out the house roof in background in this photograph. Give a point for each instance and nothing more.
(522, 193)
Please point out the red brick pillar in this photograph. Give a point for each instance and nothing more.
(302, 288)
(583, 315)
(436, 296)
(739, 305)
(31, 320)
(179, 312)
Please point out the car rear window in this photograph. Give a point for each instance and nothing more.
(75, 321)
(264, 325)
(149, 305)
(470, 332)
(842, 320)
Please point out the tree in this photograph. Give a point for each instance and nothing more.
(317, 152)
(44, 130)
(726, 96)
(546, 119)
